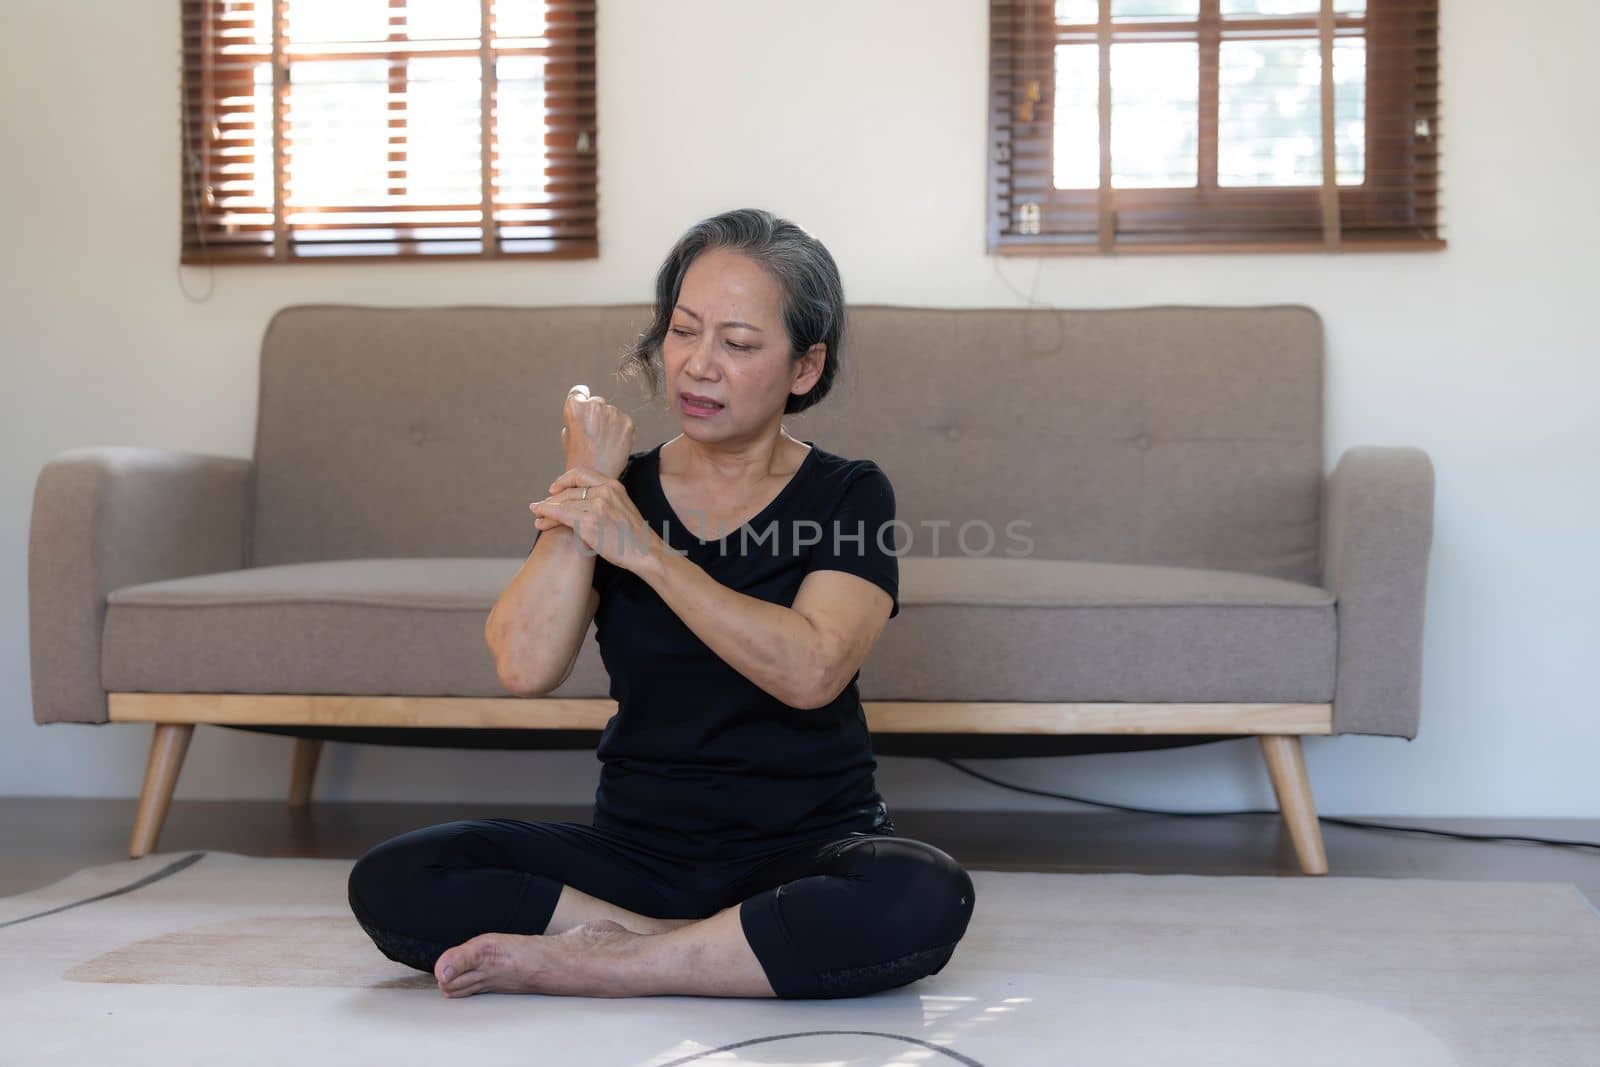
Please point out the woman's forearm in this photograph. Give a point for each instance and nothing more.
(540, 618)
(777, 648)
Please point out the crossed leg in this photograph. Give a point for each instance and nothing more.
(833, 918)
(601, 957)
(575, 907)
(837, 918)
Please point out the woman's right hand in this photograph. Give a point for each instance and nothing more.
(595, 434)
(599, 511)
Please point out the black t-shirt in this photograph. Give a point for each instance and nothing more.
(698, 759)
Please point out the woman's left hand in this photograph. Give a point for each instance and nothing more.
(599, 510)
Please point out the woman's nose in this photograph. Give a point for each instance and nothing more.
(699, 362)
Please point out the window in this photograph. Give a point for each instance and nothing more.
(388, 129)
(1213, 125)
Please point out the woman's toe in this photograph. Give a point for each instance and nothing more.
(475, 984)
(455, 962)
(462, 981)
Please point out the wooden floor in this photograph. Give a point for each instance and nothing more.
(43, 839)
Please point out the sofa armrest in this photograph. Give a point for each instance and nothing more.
(107, 517)
(1377, 531)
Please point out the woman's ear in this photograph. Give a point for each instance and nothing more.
(809, 369)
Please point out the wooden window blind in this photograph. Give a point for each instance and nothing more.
(1213, 126)
(388, 129)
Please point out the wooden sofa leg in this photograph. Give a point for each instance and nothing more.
(306, 751)
(167, 749)
(1287, 766)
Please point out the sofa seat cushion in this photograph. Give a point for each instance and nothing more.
(995, 628)
(970, 628)
(375, 627)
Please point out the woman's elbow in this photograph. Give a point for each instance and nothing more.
(820, 687)
(822, 672)
(533, 685)
(518, 676)
(517, 685)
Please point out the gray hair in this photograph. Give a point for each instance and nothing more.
(813, 296)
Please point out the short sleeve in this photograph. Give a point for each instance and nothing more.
(859, 537)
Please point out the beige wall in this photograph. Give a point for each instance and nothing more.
(864, 121)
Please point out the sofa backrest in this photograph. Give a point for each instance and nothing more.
(1188, 436)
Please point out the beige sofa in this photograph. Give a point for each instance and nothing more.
(1190, 572)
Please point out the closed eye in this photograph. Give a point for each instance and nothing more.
(733, 345)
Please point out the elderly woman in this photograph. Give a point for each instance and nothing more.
(738, 578)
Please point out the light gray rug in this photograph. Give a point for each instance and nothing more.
(216, 957)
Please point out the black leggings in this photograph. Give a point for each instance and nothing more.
(838, 917)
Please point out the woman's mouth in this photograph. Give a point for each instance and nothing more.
(699, 407)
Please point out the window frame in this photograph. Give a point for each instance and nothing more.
(1209, 217)
(208, 76)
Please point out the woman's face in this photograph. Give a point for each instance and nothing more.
(727, 343)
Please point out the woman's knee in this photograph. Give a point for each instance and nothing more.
(919, 889)
(911, 903)
(882, 898)
(387, 871)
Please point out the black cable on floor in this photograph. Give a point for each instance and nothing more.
(1274, 811)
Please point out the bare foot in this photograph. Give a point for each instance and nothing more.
(642, 924)
(587, 960)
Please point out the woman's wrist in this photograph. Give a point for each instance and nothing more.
(657, 559)
(596, 464)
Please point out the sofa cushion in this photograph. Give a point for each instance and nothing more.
(357, 626)
(1004, 629)
(1069, 630)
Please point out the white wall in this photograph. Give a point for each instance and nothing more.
(864, 121)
